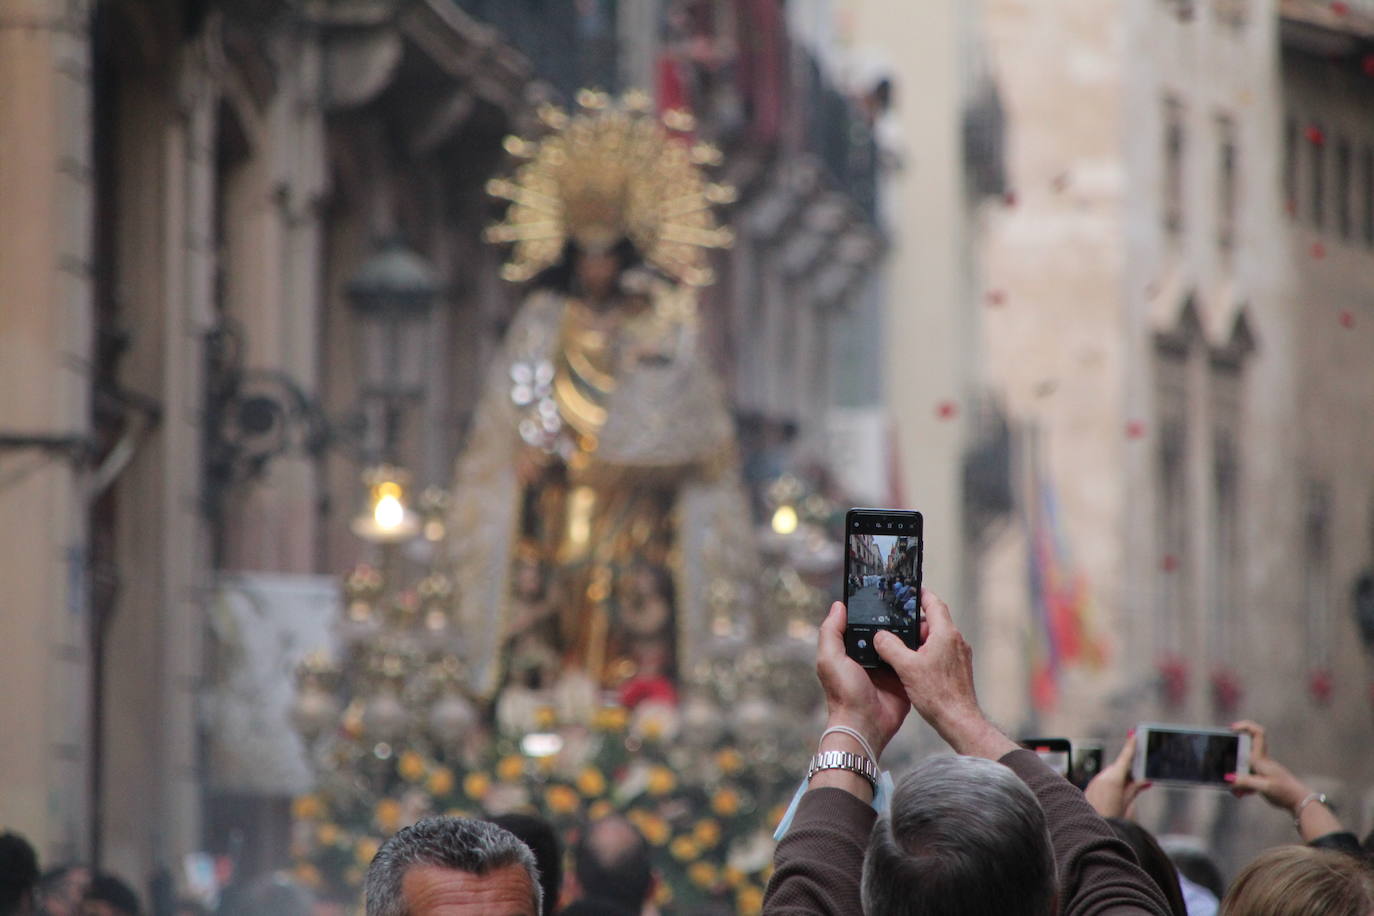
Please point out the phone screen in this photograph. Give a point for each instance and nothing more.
(1087, 763)
(882, 581)
(1056, 752)
(1190, 756)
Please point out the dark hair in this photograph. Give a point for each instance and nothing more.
(538, 834)
(1198, 867)
(458, 843)
(562, 276)
(1154, 860)
(612, 862)
(106, 888)
(18, 871)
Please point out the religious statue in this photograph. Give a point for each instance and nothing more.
(598, 529)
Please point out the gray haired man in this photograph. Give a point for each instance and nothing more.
(453, 866)
(992, 831)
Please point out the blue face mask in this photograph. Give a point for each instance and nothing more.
(881, 800)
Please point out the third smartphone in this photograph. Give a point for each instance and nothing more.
(882, 579)
(1184, 755)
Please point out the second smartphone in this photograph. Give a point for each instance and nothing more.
(882, 579)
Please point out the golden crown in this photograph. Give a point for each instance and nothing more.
(611, 171)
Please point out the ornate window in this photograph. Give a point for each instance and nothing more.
(1172, 527)
(1345, 210)
(1317, 186)
(1316, 597)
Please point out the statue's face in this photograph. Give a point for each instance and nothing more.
(596, 274)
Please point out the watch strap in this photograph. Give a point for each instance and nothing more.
(844, 760)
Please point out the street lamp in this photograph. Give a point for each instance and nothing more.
(392, 294)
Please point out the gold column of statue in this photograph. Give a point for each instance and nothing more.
(598, 502)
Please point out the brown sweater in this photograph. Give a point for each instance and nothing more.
(818, 864)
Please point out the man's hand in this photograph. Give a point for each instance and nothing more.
(1113, 791)
(870, 702)
(938, 680)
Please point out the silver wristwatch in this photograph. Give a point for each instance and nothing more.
(844, 760)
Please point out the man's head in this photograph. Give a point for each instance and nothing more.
(61, 888)
(612, 863)
(18, 874)
(964, 836)
(456, 867)
(109, 896)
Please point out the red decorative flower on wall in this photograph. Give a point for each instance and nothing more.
(1320, 685)
(1226, 690)
(1173, 679)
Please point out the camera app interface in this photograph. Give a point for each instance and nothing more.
(1190, 757)
(884, 587)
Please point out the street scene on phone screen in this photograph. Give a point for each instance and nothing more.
(883, 589)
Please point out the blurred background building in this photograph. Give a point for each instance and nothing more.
(1087, 283)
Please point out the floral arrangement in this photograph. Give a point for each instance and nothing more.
(705, 810)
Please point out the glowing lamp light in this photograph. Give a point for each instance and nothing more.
(541, 744)
(386, 519)
(785, 519)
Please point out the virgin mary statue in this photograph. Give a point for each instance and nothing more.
(599, 531)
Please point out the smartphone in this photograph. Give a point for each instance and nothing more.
(1085, 762)
(1188, 756)
(882, 579)
(1056, 752)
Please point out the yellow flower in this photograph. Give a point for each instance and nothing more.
(411, 766)
(663, 894)
(353, 875)
(749, 901)
(547, 764)
(308, 874)
(561, 799)
(599, 809)
(544, 717)
(655, 830)
(307, 808)
(684, 849)
(510, 768)
(590, 782)
(733, 877)
(366, 850)
(725, 802)
(327, 834)
(650, 728)
(440, 781)
(388, 815)
(706, 833)
(611, 718)
(702, 874)
(729, 760)
(661, 780)
(477, 785)
(637, 816)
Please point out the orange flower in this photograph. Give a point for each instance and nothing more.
(388, 815)
(307, 808)
(729, 760)
(725, 802)
(599, 809)
(366, 850)
(544, 717)
(684, 849)
(562, 799)
(477, 785)
(733, 877)
(327, 834)
(611, 718)
(411, 766)
(590, 782)
(702, 874)
(440, 781)
(308, 875)
(706, 833)
(661, 781)
(749, 901)
(655, 830)
(510, 768)
(663, 894)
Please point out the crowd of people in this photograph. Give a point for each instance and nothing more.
(989, 829)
